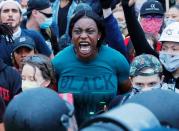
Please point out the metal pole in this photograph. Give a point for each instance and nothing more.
(167, 5)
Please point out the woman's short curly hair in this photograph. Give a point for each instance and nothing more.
(91, 14)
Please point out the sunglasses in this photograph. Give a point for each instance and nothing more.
(46, 15)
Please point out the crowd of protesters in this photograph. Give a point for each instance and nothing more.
(89, 65)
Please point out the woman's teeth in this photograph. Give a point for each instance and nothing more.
(85, 48)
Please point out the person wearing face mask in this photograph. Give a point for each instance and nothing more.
(39, 18)
(151, 21)
(37, 71)
(169, 55)
(146, 73)
(11, 14)
(119, 15)
(141, 44)
(172, 15)
(152, 17)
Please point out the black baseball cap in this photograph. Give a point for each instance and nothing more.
(152, 7)
(37, 5)
(24, 41)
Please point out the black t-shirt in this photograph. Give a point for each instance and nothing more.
(62, 19)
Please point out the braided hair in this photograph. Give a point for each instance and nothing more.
(6, 32)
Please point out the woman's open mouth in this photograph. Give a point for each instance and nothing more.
(84, 48)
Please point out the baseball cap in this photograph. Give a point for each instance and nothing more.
(162, 103)
(37, 109)
(24, 41)
(152, 7)
(37, 4)
(145, 61)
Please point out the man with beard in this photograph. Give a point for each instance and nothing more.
(11, 14)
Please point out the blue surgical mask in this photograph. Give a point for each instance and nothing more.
(122, 25)
(170, 62)
(168, 21)
(46, 24)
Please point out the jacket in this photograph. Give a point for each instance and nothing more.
(55, 7)
(10, 82)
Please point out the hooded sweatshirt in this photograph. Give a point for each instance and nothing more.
(10, 82)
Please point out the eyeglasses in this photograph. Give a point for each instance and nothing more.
(46, 15)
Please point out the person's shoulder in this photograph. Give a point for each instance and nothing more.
(11, 71)
(33, 34)
(66, 52)
(63, 57)
(114, 57)
(30, 32)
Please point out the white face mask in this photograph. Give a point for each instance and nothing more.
(168, 21)
(170, 62)
(29, 85)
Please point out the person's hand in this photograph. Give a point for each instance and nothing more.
(131, 2)
(105, 4)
